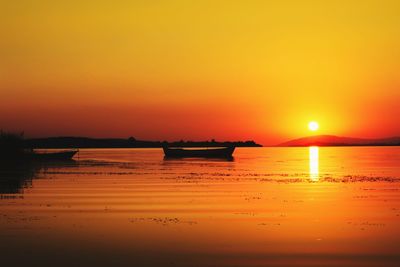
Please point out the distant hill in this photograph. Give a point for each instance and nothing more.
(85, 142)
(332, 140)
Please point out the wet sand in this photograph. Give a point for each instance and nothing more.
(269, 206)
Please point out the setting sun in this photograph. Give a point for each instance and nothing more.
(146, 130)
(313, 126)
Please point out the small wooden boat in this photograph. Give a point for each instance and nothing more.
(50, 156)
(225, 152)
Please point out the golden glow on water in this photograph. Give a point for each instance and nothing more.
(132, 207)
(314, 163)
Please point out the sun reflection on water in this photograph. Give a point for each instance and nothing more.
(314, 163)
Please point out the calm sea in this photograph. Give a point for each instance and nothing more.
(266, 207)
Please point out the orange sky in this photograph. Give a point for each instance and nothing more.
(211, 69)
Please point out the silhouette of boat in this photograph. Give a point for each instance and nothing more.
(50, 156)
(225, 152)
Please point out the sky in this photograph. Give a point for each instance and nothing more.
(197, 70)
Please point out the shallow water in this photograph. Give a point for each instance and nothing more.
(267, 206)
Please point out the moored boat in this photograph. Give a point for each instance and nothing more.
(225, 152)
(13, 149)
(50, 156)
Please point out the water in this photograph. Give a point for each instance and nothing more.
(268, 206)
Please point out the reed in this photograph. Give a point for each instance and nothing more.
(11, 144)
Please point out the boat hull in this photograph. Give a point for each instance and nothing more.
(64, 155)
(225, 152)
